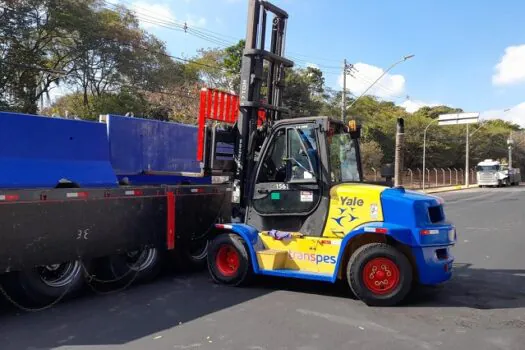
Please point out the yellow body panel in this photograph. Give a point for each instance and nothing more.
(352, 205)
(308, 254)
(272, 259)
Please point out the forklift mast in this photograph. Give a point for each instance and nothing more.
(254, 96)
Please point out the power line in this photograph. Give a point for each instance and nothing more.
(201, 33)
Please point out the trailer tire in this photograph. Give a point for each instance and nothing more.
(379, 274)
(142, 265)
(197, 254)
(228, 260)
(33, 287)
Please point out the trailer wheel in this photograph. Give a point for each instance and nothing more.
(379, 274)
(147, 263)
(197, 253)
(228, 260)
(45, 284)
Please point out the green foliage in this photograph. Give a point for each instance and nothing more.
(111, 65)
(120, 103)
(371, 155)
(303, 92)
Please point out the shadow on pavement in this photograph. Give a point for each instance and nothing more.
(141, 311)
(470, 287)
(475, 288)
(145, 310)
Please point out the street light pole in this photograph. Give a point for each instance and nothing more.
(510, 142)
(425, 149)
(343, 104)
(380, 77)
(467, 172)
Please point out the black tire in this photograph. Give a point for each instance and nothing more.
(355, 274)
(236, 245)
(141, 265)
(35, 288)
(197, 254)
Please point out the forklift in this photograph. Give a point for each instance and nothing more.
(301, 207)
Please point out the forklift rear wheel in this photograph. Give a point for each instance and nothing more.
(379, 274)
(228, 260)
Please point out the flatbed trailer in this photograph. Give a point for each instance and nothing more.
(49, 236)
(104, 200)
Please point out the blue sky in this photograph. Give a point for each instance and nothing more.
(468, 54)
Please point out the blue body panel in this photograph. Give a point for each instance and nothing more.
(401, 224)
(298, 274)
(152, 180)
(37, 152)
(409, 209)
(40, 151)
(141, 145)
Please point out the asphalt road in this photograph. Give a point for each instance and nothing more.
(483, 307)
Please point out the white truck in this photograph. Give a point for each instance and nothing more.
(493, 173)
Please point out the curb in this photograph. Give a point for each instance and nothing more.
(448, 189)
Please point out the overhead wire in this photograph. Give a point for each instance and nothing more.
(218, 39)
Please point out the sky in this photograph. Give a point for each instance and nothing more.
(468, 54)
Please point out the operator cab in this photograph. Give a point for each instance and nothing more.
(298, 163)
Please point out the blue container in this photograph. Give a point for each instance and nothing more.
(37, 152)
(149, 152)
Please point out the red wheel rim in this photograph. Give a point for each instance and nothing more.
(227, 260)
(381, 275)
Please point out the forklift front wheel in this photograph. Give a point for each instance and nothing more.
(379, 274)
(228, 260)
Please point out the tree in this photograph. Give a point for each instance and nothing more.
(303, 93)
(233, 63)
(371, 155)
(434, 112)
(31, 33)
(121, 103)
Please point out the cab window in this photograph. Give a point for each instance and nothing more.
(343, 157)
(273, 167)
(302, 155)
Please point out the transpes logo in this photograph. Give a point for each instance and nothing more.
(312, 257)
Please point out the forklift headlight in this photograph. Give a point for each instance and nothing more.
(452, 235)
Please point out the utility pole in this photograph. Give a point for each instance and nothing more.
(343, 105)
(347, 70)
(398, 165)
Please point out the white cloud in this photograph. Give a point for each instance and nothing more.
(312, 65)
(365, 74)
(514, 114)
(194, 21)
(511, 67)
(413, 105)
(149, 13)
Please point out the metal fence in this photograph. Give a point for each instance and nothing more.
(434, 177)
